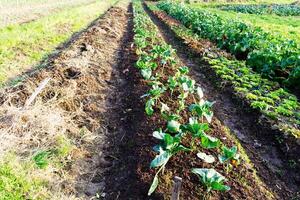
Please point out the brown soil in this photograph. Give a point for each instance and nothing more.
(269, 159)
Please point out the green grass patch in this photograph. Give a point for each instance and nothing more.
(18, 183)
(27, 177)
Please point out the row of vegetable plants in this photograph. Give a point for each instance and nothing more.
(279, 106)
(186, 124)
(271, 55)
(261, 9)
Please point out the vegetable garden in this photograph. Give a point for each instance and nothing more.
(157, 100)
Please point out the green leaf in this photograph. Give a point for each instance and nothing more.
(173, 126)
(181, 148)
(219, 186)
(211, 179)
(229, 154)
(159, 134)
(200, 93)
(206, 158)
(209, 142)
(146, 73)
(41, 159)
(153, 185)
(183, 70)
(149, 107)
(160, 159)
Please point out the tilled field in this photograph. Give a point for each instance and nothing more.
(84, 134)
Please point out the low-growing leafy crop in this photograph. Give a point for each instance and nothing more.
(183, 122)
(271, 55)
(211, 179)
(260, 9)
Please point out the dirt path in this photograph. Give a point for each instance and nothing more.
(85, 103)
(270, 161)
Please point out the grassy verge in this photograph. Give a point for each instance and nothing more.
(23, 46)
(29, 178)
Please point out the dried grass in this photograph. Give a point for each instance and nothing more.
(71, 106)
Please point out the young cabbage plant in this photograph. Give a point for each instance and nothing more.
(181, 101)
(203, 108)
(196, 129)
(229, 157)
(155, 93)
(188, 85)
(164, 52)
(209, 142)
(169, 146)
(146, 65)
(211, 179)
(183, 70)
(229, 154)
(172, 83)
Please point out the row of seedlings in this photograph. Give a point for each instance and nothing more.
(170, 90)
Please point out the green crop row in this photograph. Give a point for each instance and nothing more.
(277, 104)
(176, 99)
(261, 9)
(273, 56)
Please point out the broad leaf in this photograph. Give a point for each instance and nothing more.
(160, 159)
(209, 142)
(211, 179)
(146, 73)
(158, 134)
(206, 158)
(173, 126)
(229, 154)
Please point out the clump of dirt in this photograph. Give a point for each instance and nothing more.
(75, 105)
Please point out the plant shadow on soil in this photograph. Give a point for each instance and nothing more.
(258, 139)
